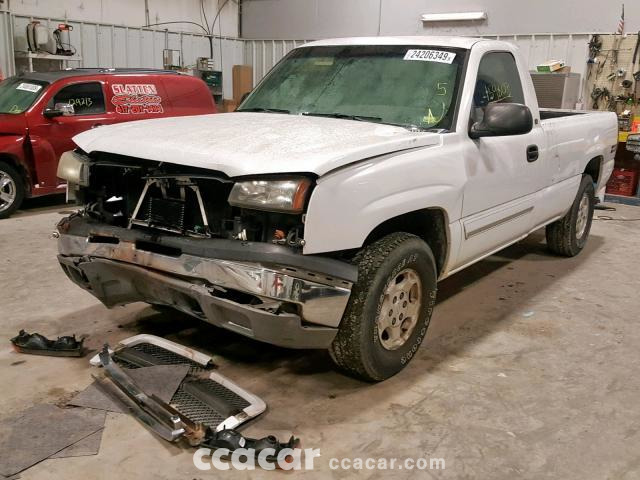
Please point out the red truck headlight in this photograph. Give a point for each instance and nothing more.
(74, 168)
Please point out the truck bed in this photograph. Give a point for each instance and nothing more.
(546, 114)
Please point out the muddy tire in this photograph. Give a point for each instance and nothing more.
(11, 190)
(569, 235)
(389, 310)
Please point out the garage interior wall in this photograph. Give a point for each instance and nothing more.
(109, 34)
(113, 37)
(339, 18)
(131, 13)
(544, 30)
(6, 49)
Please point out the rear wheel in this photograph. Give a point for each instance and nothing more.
(11, 190)
(389, 309)
(569, 235)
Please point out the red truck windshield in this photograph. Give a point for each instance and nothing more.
(18, 94)
(412, 86)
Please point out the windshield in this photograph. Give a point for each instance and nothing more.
(18, 94)
(400, 85)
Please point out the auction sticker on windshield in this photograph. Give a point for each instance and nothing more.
(430, 56)
(29, 87)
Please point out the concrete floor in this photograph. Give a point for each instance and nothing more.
(529, 370)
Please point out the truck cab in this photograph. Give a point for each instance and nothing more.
(40, 113)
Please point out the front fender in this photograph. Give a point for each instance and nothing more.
(348, 204)
(46, 161)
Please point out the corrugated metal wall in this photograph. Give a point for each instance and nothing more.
(262, 55)
(6, 49)
(106, 46)
(572, 48)
(115, 46)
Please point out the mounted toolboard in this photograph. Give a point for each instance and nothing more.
(616, 55)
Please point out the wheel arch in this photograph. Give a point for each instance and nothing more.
(14, 162)
(430, 224)
(594, 168)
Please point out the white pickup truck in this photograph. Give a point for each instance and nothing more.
(322, 213)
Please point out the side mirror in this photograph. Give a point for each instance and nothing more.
(60, 109)
(502, 119)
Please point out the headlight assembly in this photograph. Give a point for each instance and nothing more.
(74, 168)
(273, 195)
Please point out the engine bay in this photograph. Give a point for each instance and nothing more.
(169, 198)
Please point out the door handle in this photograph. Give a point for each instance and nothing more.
(532, 153)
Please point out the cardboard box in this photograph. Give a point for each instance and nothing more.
(550, 66)
(242, 81)
(229, 105)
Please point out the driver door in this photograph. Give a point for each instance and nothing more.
(504, 173)
(51, 137)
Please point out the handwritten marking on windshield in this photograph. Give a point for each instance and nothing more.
(431, 119)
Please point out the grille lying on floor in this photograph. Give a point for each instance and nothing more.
(164, 356)
(200, 399)
(195, 409)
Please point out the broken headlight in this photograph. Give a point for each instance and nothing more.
(273, 195)
(74, 168)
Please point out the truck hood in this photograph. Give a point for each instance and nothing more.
(245, 143)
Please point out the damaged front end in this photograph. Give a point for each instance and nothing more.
(226, 251)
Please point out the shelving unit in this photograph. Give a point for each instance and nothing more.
(30, 56)
(205, 69)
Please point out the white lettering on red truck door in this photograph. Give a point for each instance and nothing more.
(136, 98)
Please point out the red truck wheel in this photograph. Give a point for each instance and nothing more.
(11, 190)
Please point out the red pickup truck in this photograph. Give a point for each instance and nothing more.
(41, 112)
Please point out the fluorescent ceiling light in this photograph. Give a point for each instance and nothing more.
(453, 17)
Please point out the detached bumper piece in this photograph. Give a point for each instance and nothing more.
(205, 403)
(232, 440)
(36, 344)
(152, 411)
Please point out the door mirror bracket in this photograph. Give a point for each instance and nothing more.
(59, 110)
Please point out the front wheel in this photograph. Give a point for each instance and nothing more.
(389, 310)
(11, 190)
(568, 236)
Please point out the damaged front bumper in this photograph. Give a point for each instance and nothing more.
(263, 291)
